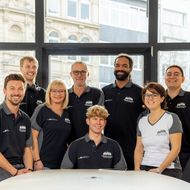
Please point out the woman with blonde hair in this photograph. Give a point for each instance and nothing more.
(51, 127)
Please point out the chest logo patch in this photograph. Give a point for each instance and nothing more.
(181, 105)
(67, 120)
(88, 103)
(161, 133)
(22, 129)
(107, 155)
(129, 99)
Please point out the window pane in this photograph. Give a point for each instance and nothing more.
(17, 21)
(114, 21)
(174, 21)
(9, 62)
(53, 7)
(100, 69)
(181, 58)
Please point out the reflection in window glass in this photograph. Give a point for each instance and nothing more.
(100, 69)
(173, 21)
(9, 63)
(17, 21)
(180, 58)
(110, 20)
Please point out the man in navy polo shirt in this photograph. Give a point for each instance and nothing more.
(178, 101)
(15, 130)
(124, 103)
(94, 150)
(34, 94)
(81, 97)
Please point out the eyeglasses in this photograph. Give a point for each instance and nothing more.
(77, 73)
(54, 91)
(175, 74)
(151, 95)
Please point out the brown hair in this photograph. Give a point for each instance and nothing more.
(29, 58)
(157, 88)
(14, 76)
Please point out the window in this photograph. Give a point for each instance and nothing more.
(53, 7)
(54, 37)
(84, 10)
(72, 8)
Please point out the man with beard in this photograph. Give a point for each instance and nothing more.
(34, 94)
(15, 130)
(124, 103)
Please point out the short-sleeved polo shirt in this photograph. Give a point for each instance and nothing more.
(85, 154)
(34, 96)
(78, 107)
(181, 106)
(124, 106)
(54, 131)
(156, 140)
(15, 134)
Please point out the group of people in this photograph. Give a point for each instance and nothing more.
(122, 126)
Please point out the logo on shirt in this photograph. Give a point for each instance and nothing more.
(6, 131)
(52, 119)
(181, 105)
(83, 157)
(22, 129)
(39, 102)
(161, 133)
(129, 99)
(108, 100)
(107, 155)
(88, 103)
(67, 120)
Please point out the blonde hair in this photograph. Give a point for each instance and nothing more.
(29, 58)
(97, 111)
(57, 83)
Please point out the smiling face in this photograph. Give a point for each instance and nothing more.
(29, 71)
(79, 74)
(122, 68)
(96, 124)
(152, 100)
(57, 94)
(174, 78)
(14, 92)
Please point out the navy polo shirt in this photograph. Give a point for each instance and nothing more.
(34, 96)
(124, 106)
(15, 134)
(78, 107)
(54, 131)
(181, 106)
(84, 154)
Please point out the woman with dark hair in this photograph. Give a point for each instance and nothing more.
(158, 135)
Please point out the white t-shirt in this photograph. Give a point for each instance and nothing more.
(155, 138)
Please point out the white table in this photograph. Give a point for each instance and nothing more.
(93, 180)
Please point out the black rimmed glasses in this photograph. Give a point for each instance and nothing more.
(77, 73)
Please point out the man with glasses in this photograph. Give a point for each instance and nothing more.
(124, 104)
(81, 97)
(178, 101)
(34, 94)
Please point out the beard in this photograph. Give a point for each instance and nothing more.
(121, 75)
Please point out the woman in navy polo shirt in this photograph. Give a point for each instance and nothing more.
(51, 127)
